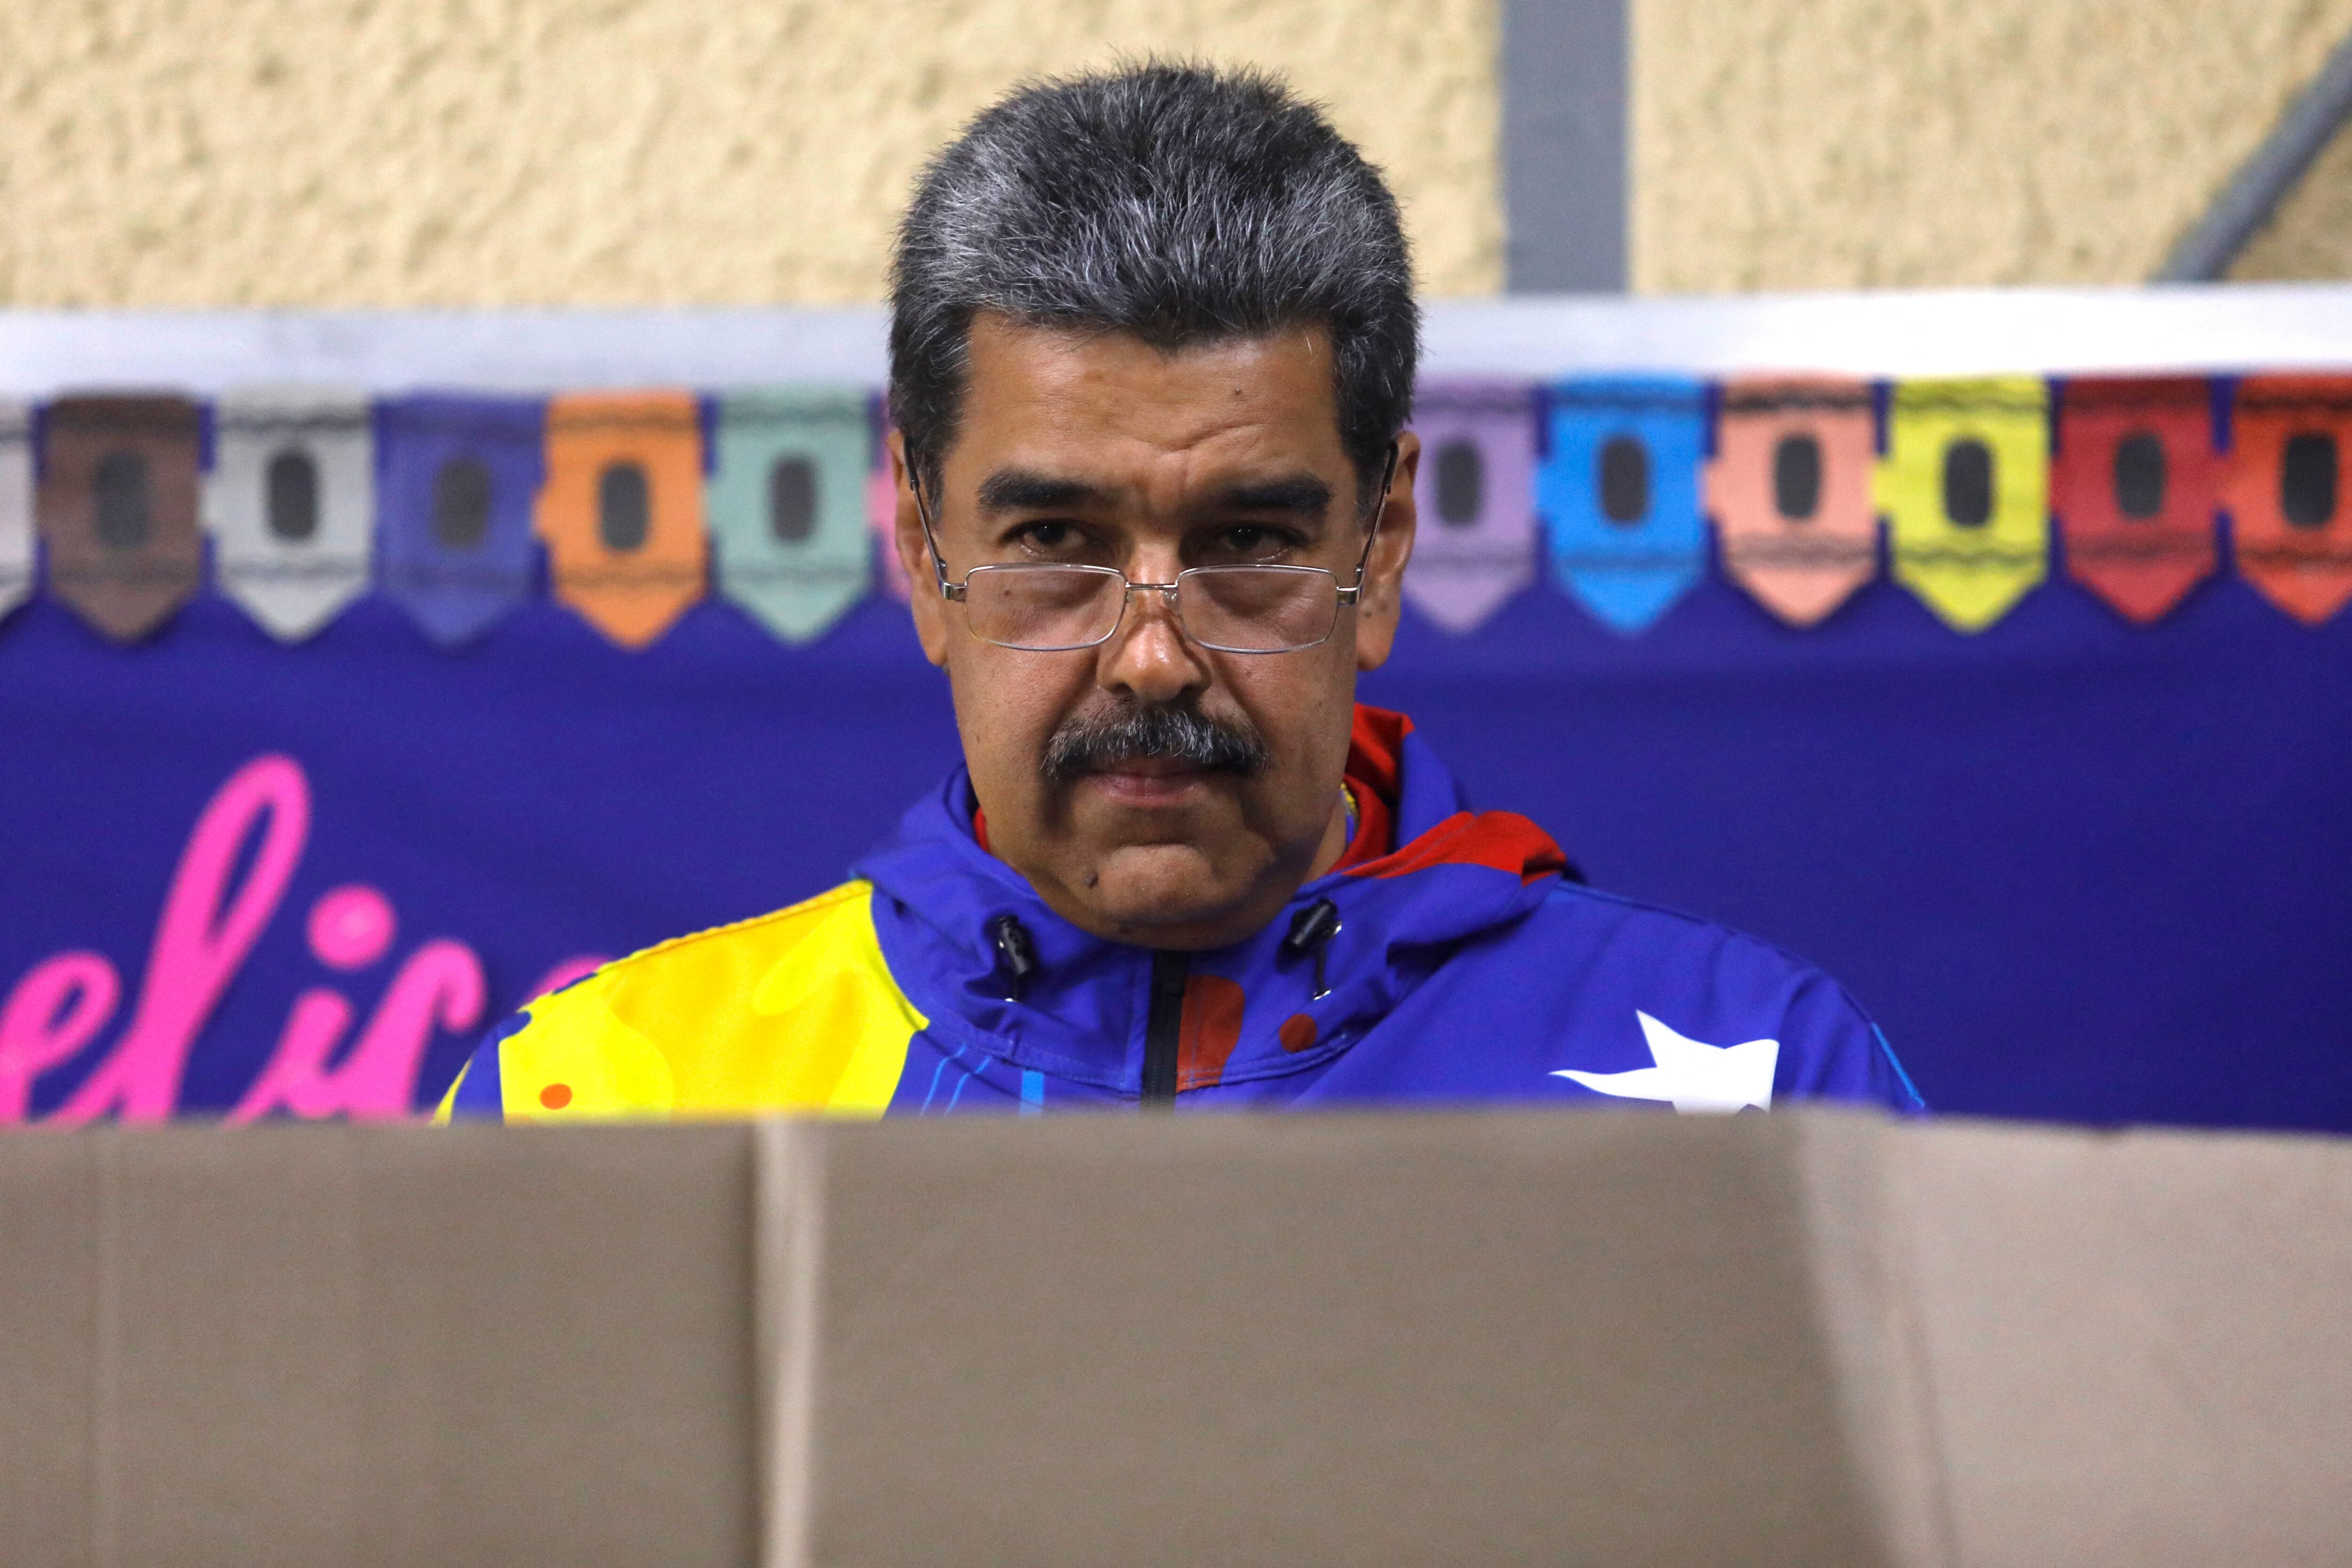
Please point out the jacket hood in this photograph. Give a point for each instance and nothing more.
(1252, 1009)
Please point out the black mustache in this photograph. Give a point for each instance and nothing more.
(1089, 743)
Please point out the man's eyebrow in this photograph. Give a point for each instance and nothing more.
(1024, 489)
(1302, 494)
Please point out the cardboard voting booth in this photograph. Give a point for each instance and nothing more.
(1802, 1339)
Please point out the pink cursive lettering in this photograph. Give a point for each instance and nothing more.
(52, 1014)
(207, 928)
(440, 985)
(564, 972)
(230, 881)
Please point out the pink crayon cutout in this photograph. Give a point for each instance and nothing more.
(1800, 564)
(882, 519)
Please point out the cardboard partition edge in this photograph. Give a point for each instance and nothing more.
(1468, 1337)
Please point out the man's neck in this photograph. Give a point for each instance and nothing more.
(1336, 836)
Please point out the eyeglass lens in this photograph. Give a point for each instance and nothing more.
(1232, 609)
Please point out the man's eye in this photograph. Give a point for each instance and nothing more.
(1048, 537)
(1255, 541)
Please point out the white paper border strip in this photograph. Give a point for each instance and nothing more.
(1904, 332)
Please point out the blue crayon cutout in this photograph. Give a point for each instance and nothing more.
(1619, 493)
(456, 481)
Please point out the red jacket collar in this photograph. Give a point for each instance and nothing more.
(1501, 840)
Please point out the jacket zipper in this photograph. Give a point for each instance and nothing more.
(1163, 1029)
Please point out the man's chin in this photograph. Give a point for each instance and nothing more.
(1157, 895)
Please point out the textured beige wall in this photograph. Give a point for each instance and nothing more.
(512, 152)
(1833, 143)
(594, 152)
(2310, 234)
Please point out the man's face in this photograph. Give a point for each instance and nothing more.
(1152, 790)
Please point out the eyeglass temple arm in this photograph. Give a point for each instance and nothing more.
(1354, 593)
(948, 591)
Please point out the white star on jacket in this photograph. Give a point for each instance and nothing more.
(1698, 1078)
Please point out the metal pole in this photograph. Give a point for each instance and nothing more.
(2205, 252)
(1563, 73)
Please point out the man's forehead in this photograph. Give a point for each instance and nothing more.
(1046, 387)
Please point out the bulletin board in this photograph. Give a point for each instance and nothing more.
(361, 677)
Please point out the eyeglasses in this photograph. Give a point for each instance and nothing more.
(1042, 608)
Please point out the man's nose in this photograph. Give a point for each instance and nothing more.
(1149, 659)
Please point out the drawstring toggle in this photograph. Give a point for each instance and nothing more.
(1016, 953)
(1312, 930)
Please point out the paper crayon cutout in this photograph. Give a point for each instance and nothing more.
(1789, 489)
(290, 503)
(2136, 484)
(1619, 494)
(882, 505)
(1475, 492)
(16, 504)
(621, 514)
(2287, 490)
(456, 478)
(1965, 489)
(788, 500)
(117, 503)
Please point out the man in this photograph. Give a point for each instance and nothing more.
(1152, 352)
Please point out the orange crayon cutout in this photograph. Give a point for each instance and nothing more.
(2286, 489)
(621, 512)
(1789, 489)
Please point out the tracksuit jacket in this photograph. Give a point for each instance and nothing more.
(1449, 958)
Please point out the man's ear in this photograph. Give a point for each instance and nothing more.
(915, 556)
(1377, 612)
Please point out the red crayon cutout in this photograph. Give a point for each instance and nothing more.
(1789, 490)
(2287, 490)
(117, 505)
(2136, 484)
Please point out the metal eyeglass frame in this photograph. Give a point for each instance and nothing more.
(1349, 595)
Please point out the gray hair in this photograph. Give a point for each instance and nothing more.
(1180, 203)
